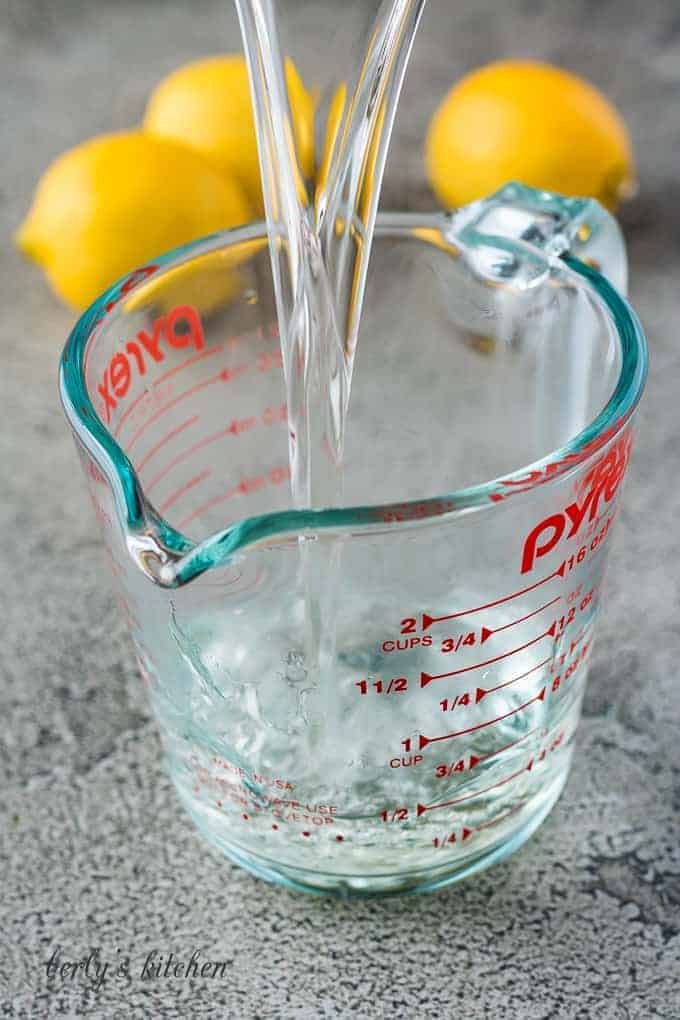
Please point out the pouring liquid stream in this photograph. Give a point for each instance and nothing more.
(320, 236)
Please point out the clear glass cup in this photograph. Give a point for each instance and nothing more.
(489, 430)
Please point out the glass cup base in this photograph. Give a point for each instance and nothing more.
(422, 880)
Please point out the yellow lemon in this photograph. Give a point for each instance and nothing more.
(117, 201)
(528, 122)
(206, 104)
(208, 281)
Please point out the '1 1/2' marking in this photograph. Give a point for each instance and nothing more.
(397, 685)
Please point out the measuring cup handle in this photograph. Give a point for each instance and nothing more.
(552, 223)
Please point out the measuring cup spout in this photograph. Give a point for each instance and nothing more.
(147, 437)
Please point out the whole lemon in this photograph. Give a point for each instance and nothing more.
(527, 122)
(206, 104)
(120, 200)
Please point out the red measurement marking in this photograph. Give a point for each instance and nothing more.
(189, 361)
(425, 678)
(157, 382)
(274, 826)
(506, 747)
(339, 839)
(229, 494)
(225, 375)
(422, 808)
(482, 691)
(183, 490)
(397, 815)
(424, 741)
(265, 362)
(275, 476)
(128, 410)
(499, 818)
(451, 769)
(487, 632)
(245, 818)
(429, 620)
(450, 837)
(447, 771)
(577, 641)
(233, 429)
(397, 685)
(306, 834)
(166, 439)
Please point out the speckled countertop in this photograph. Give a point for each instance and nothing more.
(94, 849)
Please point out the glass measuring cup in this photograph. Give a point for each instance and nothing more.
(441, 735)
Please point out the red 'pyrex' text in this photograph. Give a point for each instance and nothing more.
(603, 482)
(179, 328)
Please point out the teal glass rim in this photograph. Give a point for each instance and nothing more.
(172, 559)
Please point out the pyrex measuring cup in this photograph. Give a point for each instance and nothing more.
(442, 733)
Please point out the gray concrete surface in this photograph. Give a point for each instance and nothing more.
(94, 849)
